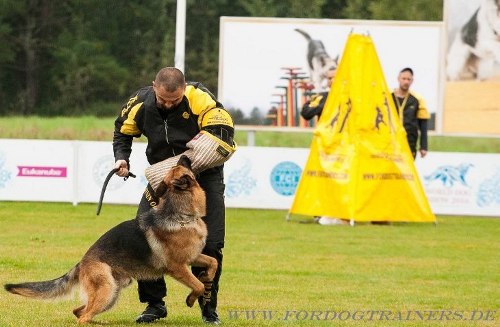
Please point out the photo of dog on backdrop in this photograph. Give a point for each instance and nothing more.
(474, 52)
(319, 61)
(165, 240)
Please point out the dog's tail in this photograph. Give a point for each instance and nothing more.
(307, 36)
(50, 289)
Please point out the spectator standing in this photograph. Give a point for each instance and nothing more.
(412, 111)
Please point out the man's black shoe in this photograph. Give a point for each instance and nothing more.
(211, 320)
(153, 312)
(210, 317)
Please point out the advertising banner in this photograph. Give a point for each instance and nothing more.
(95, 161)
(471, 103)
(258, 177)
(37, 170)
(255, 177)
(462, 183)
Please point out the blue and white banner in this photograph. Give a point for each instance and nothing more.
(255, 177)
(461, 183)
(258, 177)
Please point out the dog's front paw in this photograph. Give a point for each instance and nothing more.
(190, 300)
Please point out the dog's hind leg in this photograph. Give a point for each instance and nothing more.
(101, 289)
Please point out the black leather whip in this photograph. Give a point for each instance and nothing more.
(106, 181)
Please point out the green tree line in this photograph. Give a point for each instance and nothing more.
(81, 57)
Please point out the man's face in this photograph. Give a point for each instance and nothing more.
(330, 75)
(405, 79)
(168, 100)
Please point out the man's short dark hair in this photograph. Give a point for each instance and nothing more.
(407, 69)
(170, 78)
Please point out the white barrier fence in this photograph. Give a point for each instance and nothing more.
(256, 177)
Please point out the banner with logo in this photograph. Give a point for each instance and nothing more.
(258, 177)
(255, 177)
(360, 166)
(462, 183)
(30, 170)
(95, 161)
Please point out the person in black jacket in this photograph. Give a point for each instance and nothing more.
(314, 107)
(174, 116)
(412, 111)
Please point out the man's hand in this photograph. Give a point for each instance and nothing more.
(123, 168)
(423, 153)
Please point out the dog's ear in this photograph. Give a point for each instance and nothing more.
(161, 189)
(183, 183)
(185, 162)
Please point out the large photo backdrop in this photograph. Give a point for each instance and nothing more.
(255, 51)
(471, 103)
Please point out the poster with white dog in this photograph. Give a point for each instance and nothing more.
(472, 67)
(257, 56)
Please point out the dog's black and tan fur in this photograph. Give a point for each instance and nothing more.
(166, 240)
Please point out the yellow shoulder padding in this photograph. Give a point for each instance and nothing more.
(422, 112)
(199, 101)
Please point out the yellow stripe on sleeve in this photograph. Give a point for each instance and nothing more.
(315, 101)
(129, 126)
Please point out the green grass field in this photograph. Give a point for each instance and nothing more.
(276, 273)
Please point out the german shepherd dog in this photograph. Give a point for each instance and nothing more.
(165, 240)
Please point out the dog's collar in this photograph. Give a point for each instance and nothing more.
(185, 219)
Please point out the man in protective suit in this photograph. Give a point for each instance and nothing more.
(178, 118)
